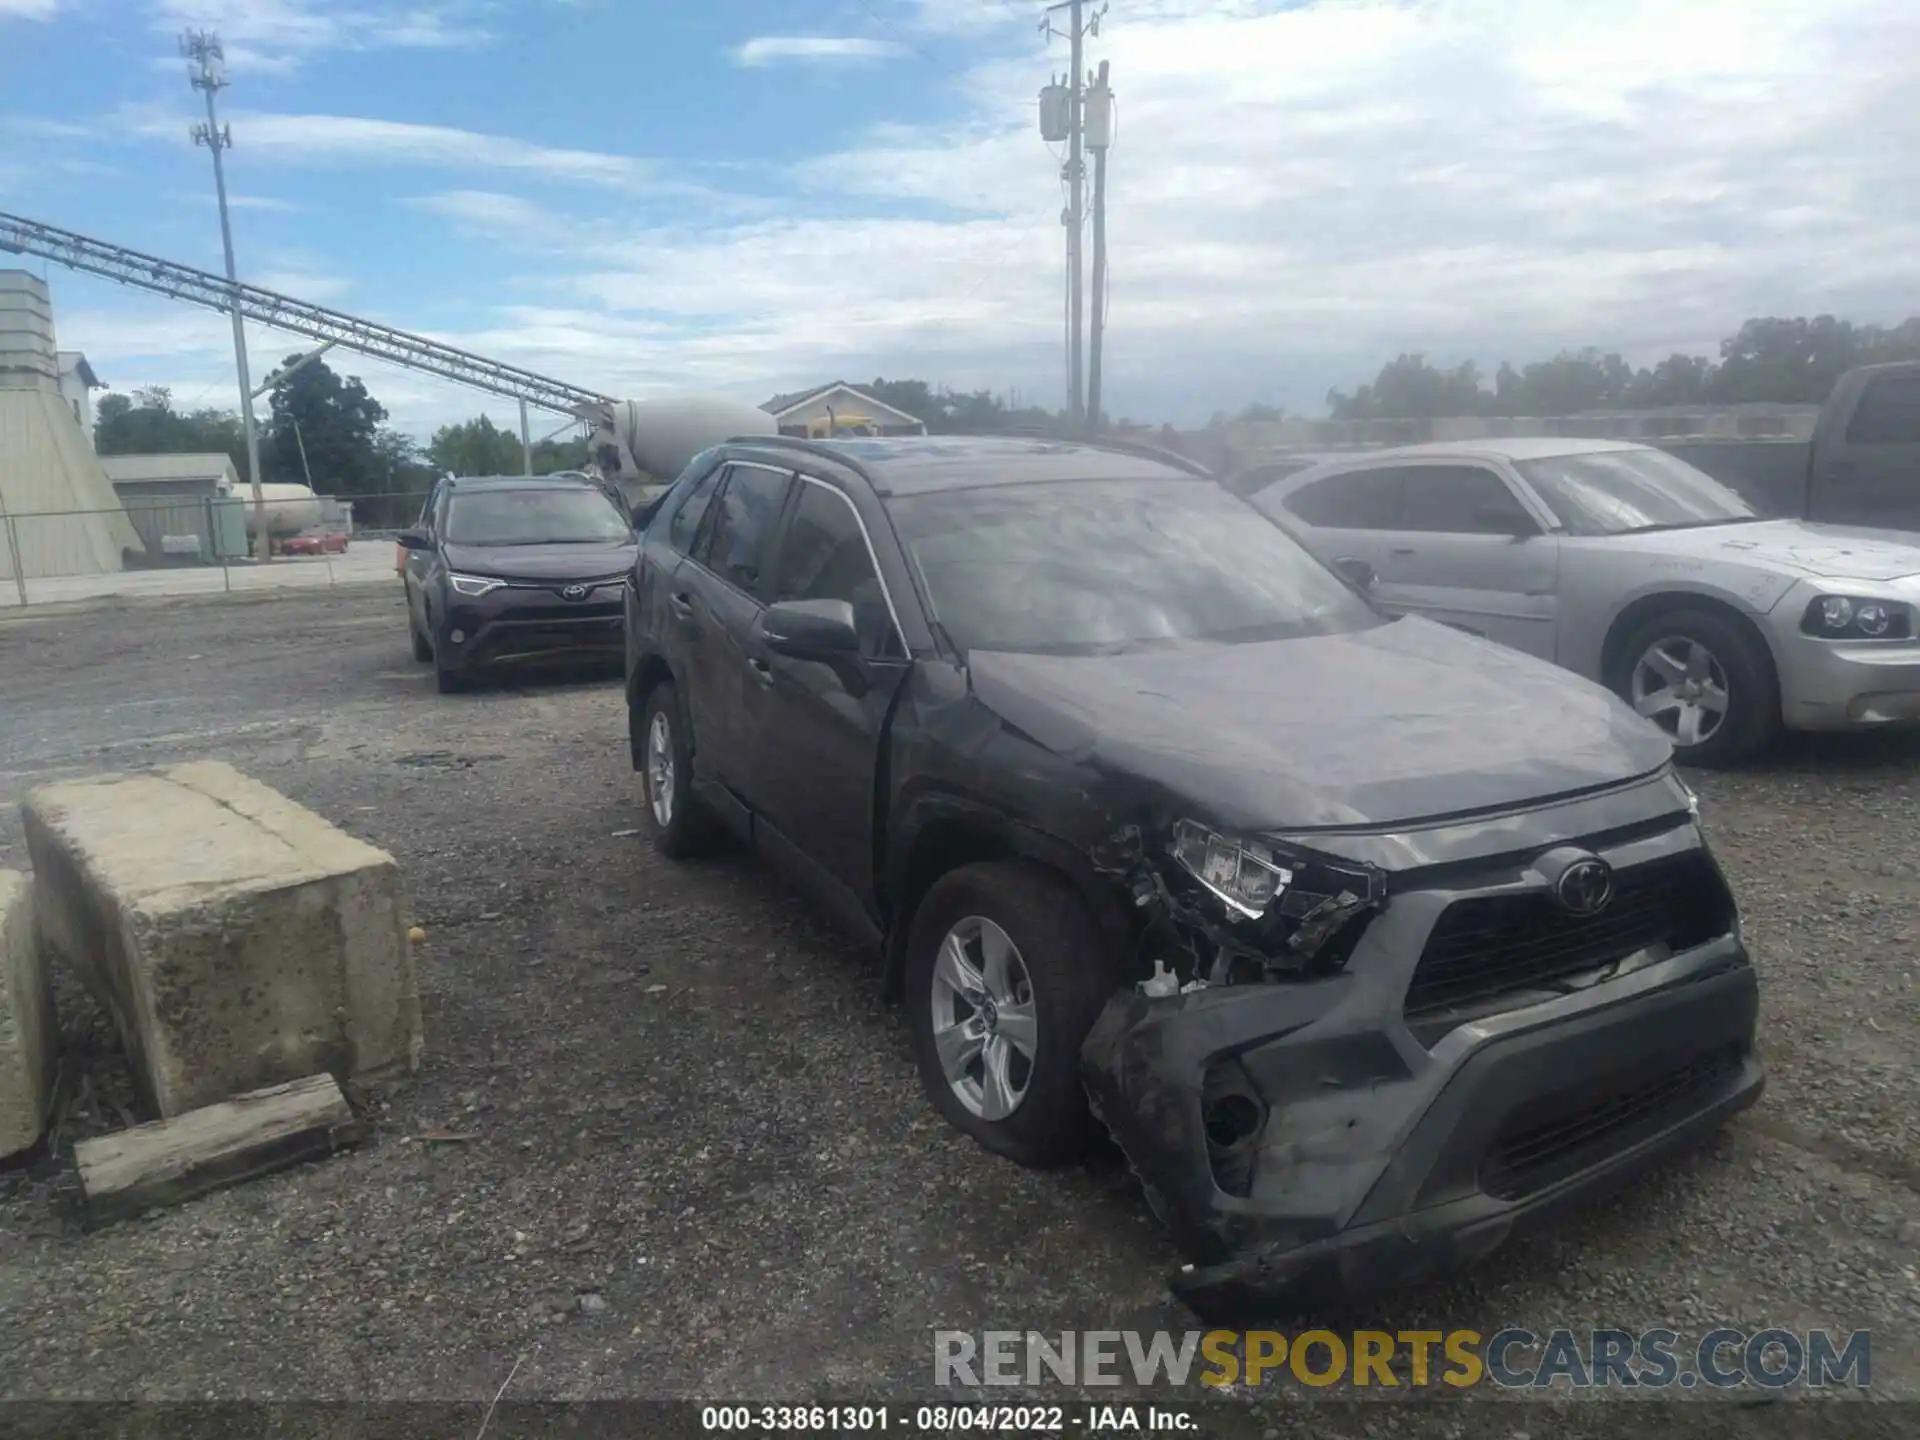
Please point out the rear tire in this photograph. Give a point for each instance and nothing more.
(1724, 663)
(1051, 990)
(682, 828)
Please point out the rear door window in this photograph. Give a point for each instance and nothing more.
(1888, 412)
(1460, 500)
(1357, 500)
(737, 542)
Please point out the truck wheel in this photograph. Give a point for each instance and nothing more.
(1005, 975)
(682, 828)
(422, 646)
(1705, 680)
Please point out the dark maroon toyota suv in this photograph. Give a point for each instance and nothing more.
(509, 570)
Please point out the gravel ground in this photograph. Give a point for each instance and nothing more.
(697, 1162)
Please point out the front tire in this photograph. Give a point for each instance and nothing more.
(1005, 975)
(422, 646)
(1705, 680)
(681, 827)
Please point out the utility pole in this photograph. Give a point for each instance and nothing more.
(1099, 128)
(1069, 126)
(206, 70)
(526, 444)
(1076, 195)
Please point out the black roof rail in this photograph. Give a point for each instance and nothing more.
(1152, 452)
(829, 451)
(1120, 447)
(821, 448)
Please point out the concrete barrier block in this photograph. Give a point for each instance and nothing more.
(239, 939)
(28, 1035)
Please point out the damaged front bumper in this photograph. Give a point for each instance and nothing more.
(1366, 1128)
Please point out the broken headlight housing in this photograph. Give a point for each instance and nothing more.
(1241, 874)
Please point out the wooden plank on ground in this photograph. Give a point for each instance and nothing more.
(168, 1161)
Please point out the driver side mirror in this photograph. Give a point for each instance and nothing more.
(812, 629)
(823, 631)
(1356, 572)
(413, 540)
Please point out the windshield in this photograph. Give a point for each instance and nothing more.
(1094, 566)
(546, 515)
(1617, 492)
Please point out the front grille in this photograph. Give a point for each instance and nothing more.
(1494, 946)
(1548, 1142)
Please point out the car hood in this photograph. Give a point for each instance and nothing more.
(1406, 721)
(542, 562)
(1792, 548)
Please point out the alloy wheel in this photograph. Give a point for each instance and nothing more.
(984, 1026)
(660, 768)
(1680, 685)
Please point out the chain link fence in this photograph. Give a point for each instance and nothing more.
(192, 544)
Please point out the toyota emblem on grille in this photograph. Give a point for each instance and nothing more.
(1585, 887)
(574, 592)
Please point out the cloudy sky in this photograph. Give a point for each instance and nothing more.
(749, 195)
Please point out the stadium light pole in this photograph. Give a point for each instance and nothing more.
(207, 71)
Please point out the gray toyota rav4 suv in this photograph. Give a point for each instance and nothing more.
(1365, 938)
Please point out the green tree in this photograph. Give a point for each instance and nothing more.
(145, 423)
(326, 427)
(475, 447)
(1408, 388)
(552, 455)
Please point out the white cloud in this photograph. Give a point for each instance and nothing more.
(38, 127)
(28, 9)
(813, 49)
(311, 139)
(1300, 191)
(274, 36)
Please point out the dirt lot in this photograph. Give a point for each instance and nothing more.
(686, 1101)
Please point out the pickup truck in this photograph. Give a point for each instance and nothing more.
(1864, 468)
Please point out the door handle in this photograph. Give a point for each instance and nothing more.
(681, 606)
(1403, 550)
(762, 671)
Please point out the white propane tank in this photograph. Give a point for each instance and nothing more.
(290, 509)
(660, 436)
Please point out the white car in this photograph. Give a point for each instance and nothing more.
(1633, 568)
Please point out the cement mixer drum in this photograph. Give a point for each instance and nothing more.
(659, 437)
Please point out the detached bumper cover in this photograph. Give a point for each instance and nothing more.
(1298, 1155)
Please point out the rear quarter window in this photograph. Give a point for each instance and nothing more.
(1888, 412)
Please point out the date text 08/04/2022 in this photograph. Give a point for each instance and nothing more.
(941, 1419)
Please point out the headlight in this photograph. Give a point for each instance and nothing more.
(474, 585)
(1240, 873)
(1853, 617)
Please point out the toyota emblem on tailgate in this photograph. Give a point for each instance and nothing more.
(574, 592)
(1585, 887)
